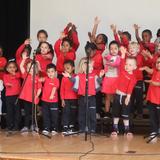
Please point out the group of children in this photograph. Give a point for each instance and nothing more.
(122, 76)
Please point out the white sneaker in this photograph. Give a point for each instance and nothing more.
(53, 133)
(45, 132)
(154, 140)
(24, 129)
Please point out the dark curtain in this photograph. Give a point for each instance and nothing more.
(14, 24)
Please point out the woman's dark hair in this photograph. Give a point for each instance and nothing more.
(113, 42)
(9, 62)
(67, 40)
(90, 47)
(42, 31)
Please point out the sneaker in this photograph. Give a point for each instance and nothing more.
(53, 132)
(45, 132)
(152, 135)
(24, 129)
(65, 130)
(98, 116)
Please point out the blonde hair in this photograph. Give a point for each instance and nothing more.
(134, 44)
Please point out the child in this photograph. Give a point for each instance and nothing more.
(145, 43)
(64, 51)
(12, 83)
(44, 57)
(50, 101)
(121, 102)
(71, 33)
(3, 63)
(111, 74)
(69, 99)
(153, 97)
(100, 40)
(42, 36)
(26, 92)
(125, 37)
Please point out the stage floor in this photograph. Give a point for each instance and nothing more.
(34, 146)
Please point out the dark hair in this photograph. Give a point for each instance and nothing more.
(105, 38)
(147, 31)
(158, 32)
(69, 62)
(51, 65)
(27, 48)
(9, 62)
(67, 40)
(113, 42)
(50, 47)
(90, 46)
(126, 33)
(42, 31)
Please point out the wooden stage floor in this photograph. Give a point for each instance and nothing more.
(34, 146)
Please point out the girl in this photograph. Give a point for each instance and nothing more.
(64, 51)
(69, 99)
(153, 98)
(121, 102)
(42, 35)
(109, 83)
(26, 92)
(50, 101)
(44, 57)
(12, 82)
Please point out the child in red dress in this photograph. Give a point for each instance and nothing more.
(109, 83)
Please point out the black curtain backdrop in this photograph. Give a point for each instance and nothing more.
(14, 24)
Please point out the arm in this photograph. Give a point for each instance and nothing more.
(1, 85)
(136, 28)
(114, 30)
(75, 38)
(22, 68)
(147, 69)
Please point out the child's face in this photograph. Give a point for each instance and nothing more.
(66, 47)
(114, 49)
(68, 68)
(133, 50)
(51, 72)
(99, 39)
(42, 37)
(158, 64)
(130, 65)
(44, 48)
(146, 37)
(12, 68)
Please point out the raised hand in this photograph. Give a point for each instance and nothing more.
(27, 41)
(62, 35)
(96, 21)
(136, 27)
(113, 28)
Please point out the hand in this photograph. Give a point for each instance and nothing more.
(51, 97)
(96, 21)
(113, 28)
(153, 82)
(63, 103)
(142, 68)
(74, 28)
(101, 74)
(127, 100)
(62, 35)
(27, 41)
(92, 39)
(146, 54)
(66, 74)
(123, 51)
(9, 85)
(136, 27)
(24, 56)
(120, 33)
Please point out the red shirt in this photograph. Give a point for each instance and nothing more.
(3, 63)
(82, 84)
(98, 63)
(43, 62)
(49, 84)
(26, 93)
(149, 45)
(14, 81)
(124, 41)
(66, 91)
(126, 81)
(153, 94)
(62, 57)
(101, 48)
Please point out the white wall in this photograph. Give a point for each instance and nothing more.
(53, 15)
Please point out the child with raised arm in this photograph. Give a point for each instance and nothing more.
(26, 92)
(153, 98)
(109, 83)
(122, 37)
(50, 101)
(121, 102)
(12, 83)
(69, 99)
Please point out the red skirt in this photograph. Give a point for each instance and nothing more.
(109, 85)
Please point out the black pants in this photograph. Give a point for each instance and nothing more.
(28, 113)
(13, 113)
(50, 115)
(99, 103)
(91, 113)
(70, 112)
(137, 98)
(154, 112)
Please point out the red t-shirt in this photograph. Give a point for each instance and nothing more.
(3, 63)
(153, 94)
(66, 91)
(62, 57)
(14, 81)
(26, 93)
(49, 84)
